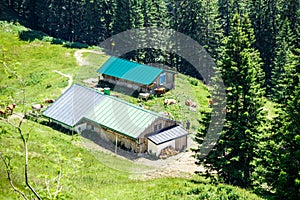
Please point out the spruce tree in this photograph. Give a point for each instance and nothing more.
(284, 70)
(278, 160)
(241, 71)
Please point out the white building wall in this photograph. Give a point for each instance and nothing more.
(156, 149)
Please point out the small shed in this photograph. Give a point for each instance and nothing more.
(175, 137)
(137, 76)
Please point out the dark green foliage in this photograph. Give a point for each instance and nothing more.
(264, 17)
(278, 162)
(31, 35)
(233, 156)
(284, 70)
(76, 45)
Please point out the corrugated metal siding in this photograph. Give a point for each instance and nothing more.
(168, 135)
(79, 102)
(73, 105)
(131, 71)
(122, 117)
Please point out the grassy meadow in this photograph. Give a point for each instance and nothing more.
(58, 160)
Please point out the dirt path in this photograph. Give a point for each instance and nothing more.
(180, 165)
(70, 81)
(80, 60)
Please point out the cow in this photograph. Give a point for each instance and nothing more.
(169, 102)
(194, 105)
(37, 107)
(10, 108)
(160, 91)
(49, 100)
(188, 102)
(2, 113)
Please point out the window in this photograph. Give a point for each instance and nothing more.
(162, 80)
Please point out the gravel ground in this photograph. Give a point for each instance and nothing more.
(180, 165)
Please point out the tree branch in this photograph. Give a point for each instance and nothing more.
(8, 171)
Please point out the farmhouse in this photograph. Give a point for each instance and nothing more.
(137, 76)
(114, 120)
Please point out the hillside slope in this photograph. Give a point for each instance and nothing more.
(57, 160)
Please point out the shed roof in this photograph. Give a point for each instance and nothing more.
(72, 105)
(80, 102)
(122, 117)
(130, 71)
(168, 135)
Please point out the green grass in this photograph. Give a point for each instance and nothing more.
(90, 176)
(88, 173)
(185, 88)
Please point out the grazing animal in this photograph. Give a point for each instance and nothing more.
(169, 102)
(160, 91)
(194, 105)
(49, 101)
(37, 107)
(188, 102)
(2, 113)
(11, 108)
(210, 102)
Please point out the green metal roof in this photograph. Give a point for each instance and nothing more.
(80, 102)
(130, 71)
(122, 117)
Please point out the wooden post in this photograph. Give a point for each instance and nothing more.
(116, 147)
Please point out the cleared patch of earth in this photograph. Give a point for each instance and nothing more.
(80, 60)
(180, 165)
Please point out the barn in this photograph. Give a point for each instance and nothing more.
(136, 76)
(114, 120)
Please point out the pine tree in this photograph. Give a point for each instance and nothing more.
(264, 15)
(199, 20)
(278, 161)
(241, 70)
(122, 20)
(284, 70)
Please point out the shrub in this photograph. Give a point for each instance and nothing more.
(76, 45)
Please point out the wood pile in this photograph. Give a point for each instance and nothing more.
(168, 152)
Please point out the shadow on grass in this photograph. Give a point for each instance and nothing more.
(32, 35)
(58, 127)
(120, 89)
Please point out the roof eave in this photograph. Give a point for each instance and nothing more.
(124, 134)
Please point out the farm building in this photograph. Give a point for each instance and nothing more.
(114, 120)
(137, 76)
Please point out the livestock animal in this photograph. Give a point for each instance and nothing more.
(188, 102)
(194, 105)
(2, 113)
(49, 101)
(169, 102)
(37, 107)
(144, 96)
(160, 91)
(11, 108)
(210, 102)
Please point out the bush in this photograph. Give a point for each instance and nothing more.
(76, 45)
(194, 82)
(30, 35)
(57, 41)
